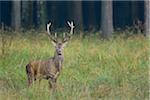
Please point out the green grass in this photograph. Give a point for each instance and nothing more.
(93, 69)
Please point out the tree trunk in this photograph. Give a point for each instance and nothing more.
(30, 13)
(134, 8)
(54, 13)
(41, 14)
(107, 19)
(16, 15)
(24, 13)
(0, 15)
(91, 16)
(27, 14)
(38, 14)
(147, 18)
(77, 15)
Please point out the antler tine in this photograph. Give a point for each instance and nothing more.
(48, 26)
(64, 35)
(55, 35)
(71, 31)
(49, 33)
(71, 26)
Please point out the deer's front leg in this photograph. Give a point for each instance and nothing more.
(56, 75)
(52, 83)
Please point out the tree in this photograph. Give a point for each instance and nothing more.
(16, 15)
(0, 14)
(24, 13)
(27, 14)
(91, 15)
(38, 14)
(53, 12)
(147, 18)
(41, 13)
(134, 10)
(77, 14)
(107, 19)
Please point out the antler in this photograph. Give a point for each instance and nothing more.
(49, 33)
(71, 31)
(71, 26)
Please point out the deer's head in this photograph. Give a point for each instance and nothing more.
(60, 44)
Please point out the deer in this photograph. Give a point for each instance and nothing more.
(49, 69)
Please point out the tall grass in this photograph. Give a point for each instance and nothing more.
(115, 69)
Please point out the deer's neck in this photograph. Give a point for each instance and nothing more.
(58, 59)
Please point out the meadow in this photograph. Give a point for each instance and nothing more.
(94, 69)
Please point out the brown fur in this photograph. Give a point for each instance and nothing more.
(48, 69)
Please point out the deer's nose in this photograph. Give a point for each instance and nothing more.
(59, 52)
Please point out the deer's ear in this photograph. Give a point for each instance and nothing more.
(54, 43)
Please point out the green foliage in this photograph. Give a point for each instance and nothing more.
(93, 69)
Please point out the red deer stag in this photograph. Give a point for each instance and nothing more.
(51, 68)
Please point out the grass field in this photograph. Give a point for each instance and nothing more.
(93, 69)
